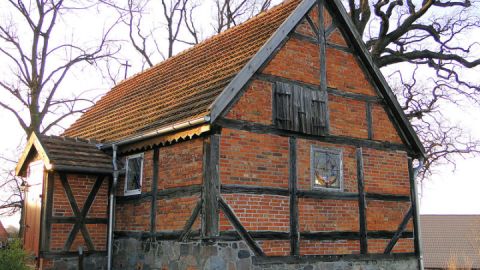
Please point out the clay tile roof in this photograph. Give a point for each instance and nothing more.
(451, 239)
(182, 87)
(75, 153)
(3, 233)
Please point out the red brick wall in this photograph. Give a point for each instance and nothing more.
(386, 172)
(253, 159)
(81, 186)
(297, 60)
(383, 129)
(258, 93)
(327, 215)
(258, 212)
(339, 247)
(133, 216)
(181, 164)
(347, 117)
(173, 214)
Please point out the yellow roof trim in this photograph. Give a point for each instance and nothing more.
(33, 141)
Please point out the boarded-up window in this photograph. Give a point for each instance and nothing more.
(299, 108)
(133, 175)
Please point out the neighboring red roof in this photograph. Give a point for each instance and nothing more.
(3, 233)
(182, 87)
(451, 241)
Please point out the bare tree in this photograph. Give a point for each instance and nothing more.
(232, 12)
(39, 68)
(35, 63)
(431, 37)
(145, 35)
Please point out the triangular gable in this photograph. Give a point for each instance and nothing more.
(236, 85)
(33, 147)
(64, 154)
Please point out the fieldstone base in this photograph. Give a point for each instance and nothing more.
(145, 255)
(90, 262)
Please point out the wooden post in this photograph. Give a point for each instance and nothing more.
(211, 186)
(416, 218)
(153, 213)
(292, 186)
(47, 214)
(362, 203)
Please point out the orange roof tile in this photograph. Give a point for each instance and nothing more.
(182, 87)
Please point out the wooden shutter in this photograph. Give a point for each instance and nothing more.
(300, 109)
(283, 105)
(319, 112)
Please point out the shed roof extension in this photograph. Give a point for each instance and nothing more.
(65, 154)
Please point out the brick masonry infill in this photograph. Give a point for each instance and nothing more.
(134, 254)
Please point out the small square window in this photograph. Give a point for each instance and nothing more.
(326, 169)
(134, 174)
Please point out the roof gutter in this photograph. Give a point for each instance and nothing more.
(157, 132)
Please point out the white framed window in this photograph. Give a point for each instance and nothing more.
(134, 174)
(326, 166)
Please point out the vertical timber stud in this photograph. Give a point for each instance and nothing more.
(361, 203)
(416, 219)
(46, 235)
(292, 185)
(153, 213)
(211, 186)
(323, 46)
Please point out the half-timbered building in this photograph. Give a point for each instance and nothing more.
(277, 144)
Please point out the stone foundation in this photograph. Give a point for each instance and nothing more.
(90, 262)
(145, 255)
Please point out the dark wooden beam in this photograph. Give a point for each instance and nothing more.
(339, 47)
(292, 186)
(211, 186)
(81, 215)
(153, 209)
(401, 228)
(327, 195)
(415, 214)
(362, 204)
(387, 197)
(47, 230)
(164, 194)
(268, 129)
(69, 254)
(314, 194)
(74, 220)
(303, 37)
(312, 25)
(188, 225)
(323, 45)
(269, 260)
(257, 190)
(332, 91)
(239, 227)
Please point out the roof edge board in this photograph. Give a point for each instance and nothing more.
(33, 141)
(157, 132)
(237, 83)
(377, 74)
